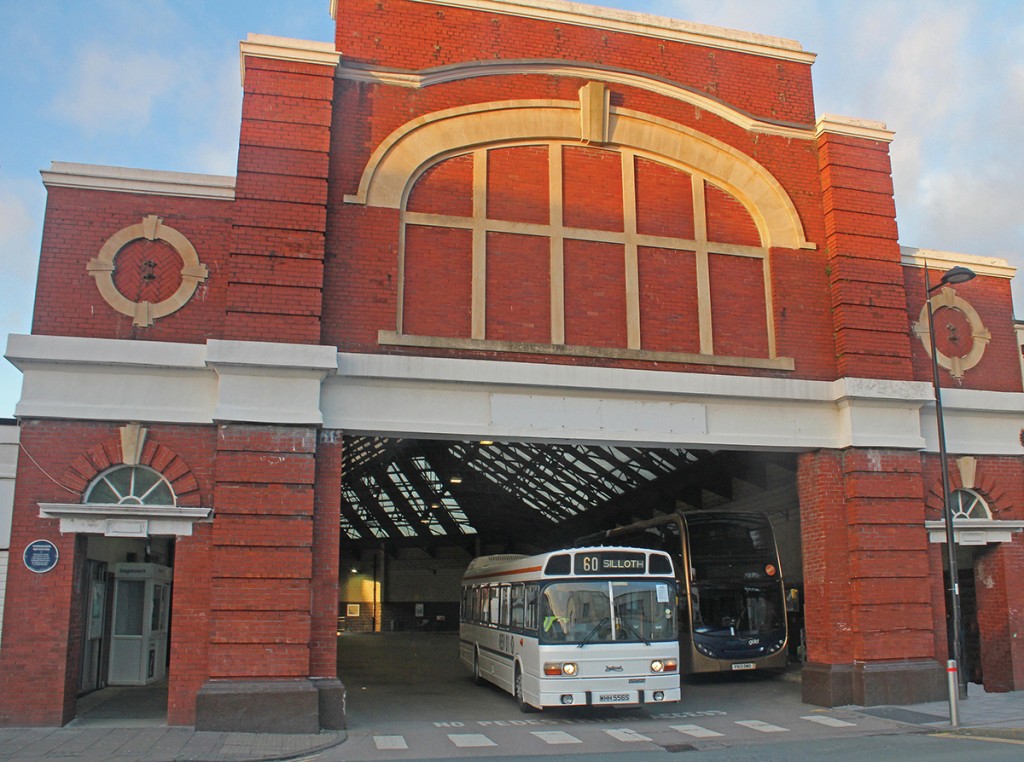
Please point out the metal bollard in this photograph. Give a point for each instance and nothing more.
(954, 693)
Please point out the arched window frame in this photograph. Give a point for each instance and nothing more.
(401, 158)
(139, 491)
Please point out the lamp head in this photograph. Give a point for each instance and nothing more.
(955, 275)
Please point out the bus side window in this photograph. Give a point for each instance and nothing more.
(494, 603)
(518, 607)
(478, 603)
(503, 617)
(531, 607)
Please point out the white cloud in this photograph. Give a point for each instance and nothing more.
(19, 231)
(19, 257)
(218, 101)
(116, 90)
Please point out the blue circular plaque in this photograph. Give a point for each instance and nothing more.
(41, 556)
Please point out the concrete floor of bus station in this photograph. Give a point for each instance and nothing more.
(397, 680)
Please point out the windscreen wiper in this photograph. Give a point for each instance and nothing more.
(629, 625)
(593, 632)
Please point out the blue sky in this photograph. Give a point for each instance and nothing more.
(154, 84)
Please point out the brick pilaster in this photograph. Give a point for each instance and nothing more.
(280, 211)
(868, 581)
(262, 553)
(999, 575)
(323, 656)
(862, 251)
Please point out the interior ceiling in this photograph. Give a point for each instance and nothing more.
(419, 492)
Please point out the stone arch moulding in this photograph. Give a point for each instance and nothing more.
(404, 154)
(115, 520)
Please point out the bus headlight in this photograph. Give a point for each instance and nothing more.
(556, 668)
(664, 665)
(775, 646)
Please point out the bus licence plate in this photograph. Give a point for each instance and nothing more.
(744, 665)
(616, 698)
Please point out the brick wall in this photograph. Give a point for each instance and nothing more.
(999, 368)
(40, 658)
(867, 579)
(999, 582)
(863, 256)
(408, 35)
(363, 274)
(79, 222)
(261, 552)
(275, 269)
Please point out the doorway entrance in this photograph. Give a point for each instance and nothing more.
(126, 619)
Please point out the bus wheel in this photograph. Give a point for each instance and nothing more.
(523, 706)
(477, 677)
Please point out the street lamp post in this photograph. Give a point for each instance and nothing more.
(957, 684)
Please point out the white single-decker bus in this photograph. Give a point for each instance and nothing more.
(575, 627)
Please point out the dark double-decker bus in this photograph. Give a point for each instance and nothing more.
(731, 592)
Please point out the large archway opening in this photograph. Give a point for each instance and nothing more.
(415, 512)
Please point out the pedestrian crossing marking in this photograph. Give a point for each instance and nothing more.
(831, 722)
(470, 740)
(626, 735)
(390, 743)
(762, 727)
(696, 731)
(555, 736)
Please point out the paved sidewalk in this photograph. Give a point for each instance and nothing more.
(156, 744)
(993, 715)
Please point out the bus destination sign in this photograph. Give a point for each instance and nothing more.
(609, 562)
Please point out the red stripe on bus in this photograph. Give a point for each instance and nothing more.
(507, 573)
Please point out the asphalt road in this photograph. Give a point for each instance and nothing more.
(409, 698)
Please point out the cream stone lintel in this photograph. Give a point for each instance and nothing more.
(357, 72)
(972, 532)
(854, 128)
(127, 180)
(392, 338)
(644, 24)
(286, 49)
(113, 520)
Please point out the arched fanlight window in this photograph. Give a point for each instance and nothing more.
(130, 485)
(968, 504)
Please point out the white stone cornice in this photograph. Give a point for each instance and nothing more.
(286, 49)
(977, 422)
(260, 382)
(403, 395)
(629, 22)
(163, 382)
(940, 261)
(854, 128)
(127, 180)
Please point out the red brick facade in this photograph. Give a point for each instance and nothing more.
(773, 254)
